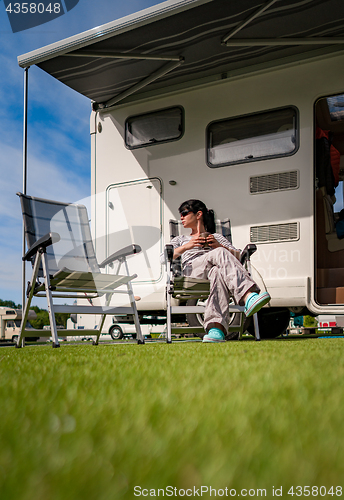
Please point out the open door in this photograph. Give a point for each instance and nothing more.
(329, 213)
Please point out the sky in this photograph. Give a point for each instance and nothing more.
(59, 160)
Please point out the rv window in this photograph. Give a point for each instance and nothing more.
(336, 107)
(252, 137)
(152, 128)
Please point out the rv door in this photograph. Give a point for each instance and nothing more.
(134, 216)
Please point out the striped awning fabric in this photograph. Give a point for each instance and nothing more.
(177, 42)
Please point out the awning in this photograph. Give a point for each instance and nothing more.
(179, 42)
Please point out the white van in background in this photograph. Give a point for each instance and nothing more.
(117, 330)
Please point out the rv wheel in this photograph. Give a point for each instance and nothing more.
(197, 320)
(273, 322)
(116, 332)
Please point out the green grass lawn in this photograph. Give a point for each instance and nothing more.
(85, 422)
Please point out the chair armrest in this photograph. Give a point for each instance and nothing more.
(247, 252)
(169, 251)
(175, 265)
(41, 244)
(120, 254)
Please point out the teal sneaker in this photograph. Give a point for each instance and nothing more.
(255, 302)
(214, 335)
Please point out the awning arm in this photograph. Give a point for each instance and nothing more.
(252, 42)
(121, 55)
(138, 86)
(247, 21)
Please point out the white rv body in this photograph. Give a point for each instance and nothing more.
(148, 184)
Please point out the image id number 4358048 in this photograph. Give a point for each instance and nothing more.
(33, 8)
(314, 491)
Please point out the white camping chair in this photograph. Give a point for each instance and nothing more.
(188, 290)
(61, 251)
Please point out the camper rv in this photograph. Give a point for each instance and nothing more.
(10, 320)
(239, 104)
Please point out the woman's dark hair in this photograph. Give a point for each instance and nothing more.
(208, 215)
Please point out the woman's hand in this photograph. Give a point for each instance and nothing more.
(196, 241)
(212, 241)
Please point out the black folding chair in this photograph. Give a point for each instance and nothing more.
(181, 290)
(64, 263)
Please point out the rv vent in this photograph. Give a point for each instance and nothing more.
(274, 233)
(274, 182)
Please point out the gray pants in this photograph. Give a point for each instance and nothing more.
(228, 278)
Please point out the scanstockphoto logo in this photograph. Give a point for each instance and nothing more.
(25, 15)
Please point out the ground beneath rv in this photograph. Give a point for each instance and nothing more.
(97, 422)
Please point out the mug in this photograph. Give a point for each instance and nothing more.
(205, 235)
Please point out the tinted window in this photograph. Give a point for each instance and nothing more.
(153, 128)
(336, 107)
(252, 137)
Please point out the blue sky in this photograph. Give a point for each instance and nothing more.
(58, 126)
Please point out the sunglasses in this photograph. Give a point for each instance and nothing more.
(184, 213)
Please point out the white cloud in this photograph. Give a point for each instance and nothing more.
(45, 179)
(48, 180)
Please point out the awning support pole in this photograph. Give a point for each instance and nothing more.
(26, 94)
(143, 83)
(247, 21)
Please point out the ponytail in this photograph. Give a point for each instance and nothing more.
(209, 221)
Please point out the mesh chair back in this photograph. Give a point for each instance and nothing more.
(224, 227)
(75, 249)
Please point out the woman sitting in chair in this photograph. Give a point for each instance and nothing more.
(208, 255)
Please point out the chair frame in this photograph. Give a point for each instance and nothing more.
(183, 288)
(62, 285)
